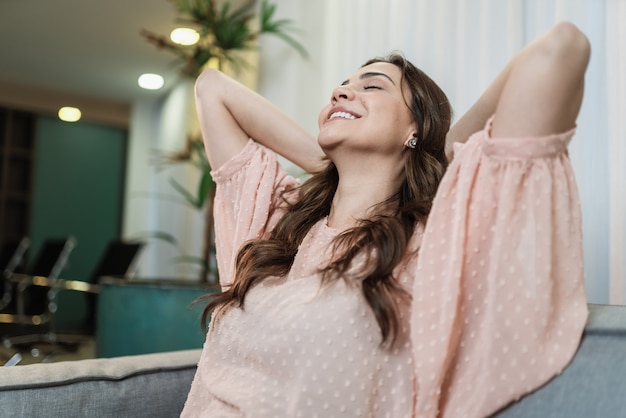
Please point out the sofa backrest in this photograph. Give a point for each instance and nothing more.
(594, 383)
(149, 385)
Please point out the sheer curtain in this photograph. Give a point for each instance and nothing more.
(615, 81)
(463, 44)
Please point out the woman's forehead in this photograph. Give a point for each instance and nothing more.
(389, 70)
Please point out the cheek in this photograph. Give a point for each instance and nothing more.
(322, 116)
(404, 119)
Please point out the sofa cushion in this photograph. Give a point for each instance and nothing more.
(149, 385)
(594, 383)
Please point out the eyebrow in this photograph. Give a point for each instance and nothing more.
(370, 75)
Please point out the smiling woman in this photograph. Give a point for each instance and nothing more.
(382, 286)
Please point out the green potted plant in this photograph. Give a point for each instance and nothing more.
(225, 32)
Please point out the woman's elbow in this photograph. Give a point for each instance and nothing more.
(567, 42)
(207, 82)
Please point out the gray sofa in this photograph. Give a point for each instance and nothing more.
(156, 385)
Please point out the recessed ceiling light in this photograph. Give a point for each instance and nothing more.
(150, 81)
(69, 114)
(185, 36)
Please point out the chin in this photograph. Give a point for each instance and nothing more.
(327, 142)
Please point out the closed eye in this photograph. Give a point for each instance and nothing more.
(372, 87)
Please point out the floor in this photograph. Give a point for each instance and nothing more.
(73, 348)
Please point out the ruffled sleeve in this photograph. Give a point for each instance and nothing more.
(248, 202)
(499, 304)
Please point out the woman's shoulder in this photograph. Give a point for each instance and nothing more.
(251, 153)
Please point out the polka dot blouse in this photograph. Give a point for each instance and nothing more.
(496, 278)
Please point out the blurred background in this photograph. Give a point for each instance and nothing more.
(102, 178)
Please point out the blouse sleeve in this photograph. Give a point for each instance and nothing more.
(499, 304)
(248, 201)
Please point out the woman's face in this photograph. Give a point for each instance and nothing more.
(368, 112)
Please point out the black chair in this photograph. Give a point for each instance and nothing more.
(40, 299)
(118, 260)
(33, 319)
(11, 257)
(34, 302)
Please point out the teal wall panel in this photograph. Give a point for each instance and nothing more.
(143, 316)
(77, 190)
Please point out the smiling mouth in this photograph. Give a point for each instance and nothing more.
(341, 115)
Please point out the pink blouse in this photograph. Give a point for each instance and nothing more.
(498, 303)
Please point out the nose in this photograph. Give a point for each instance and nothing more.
(342, 92)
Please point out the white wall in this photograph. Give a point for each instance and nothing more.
(151, 204)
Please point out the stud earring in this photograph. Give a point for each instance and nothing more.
(411, 142)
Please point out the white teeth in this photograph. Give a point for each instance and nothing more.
(343, 115)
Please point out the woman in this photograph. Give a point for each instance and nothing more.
(339, 299)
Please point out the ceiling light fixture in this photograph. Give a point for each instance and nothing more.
(150, 81)
(185, 36)
(69, 114)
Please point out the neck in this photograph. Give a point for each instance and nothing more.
(360, 189)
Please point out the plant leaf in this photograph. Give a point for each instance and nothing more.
(189, 197)
(279, 28)
(192, 260)
(203, 188)
(160, 235)
(224, 31)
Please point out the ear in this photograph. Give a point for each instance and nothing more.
(411, 141)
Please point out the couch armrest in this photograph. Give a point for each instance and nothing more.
(149, 385)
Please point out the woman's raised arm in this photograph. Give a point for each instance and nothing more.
(539, 92)
(230, 113)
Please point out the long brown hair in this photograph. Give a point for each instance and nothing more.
(389, 231)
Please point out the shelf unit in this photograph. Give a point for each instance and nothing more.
(17, 150)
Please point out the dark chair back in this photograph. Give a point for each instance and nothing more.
(118, 260)
(52, 257)
(50, 261)
(11, 257)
